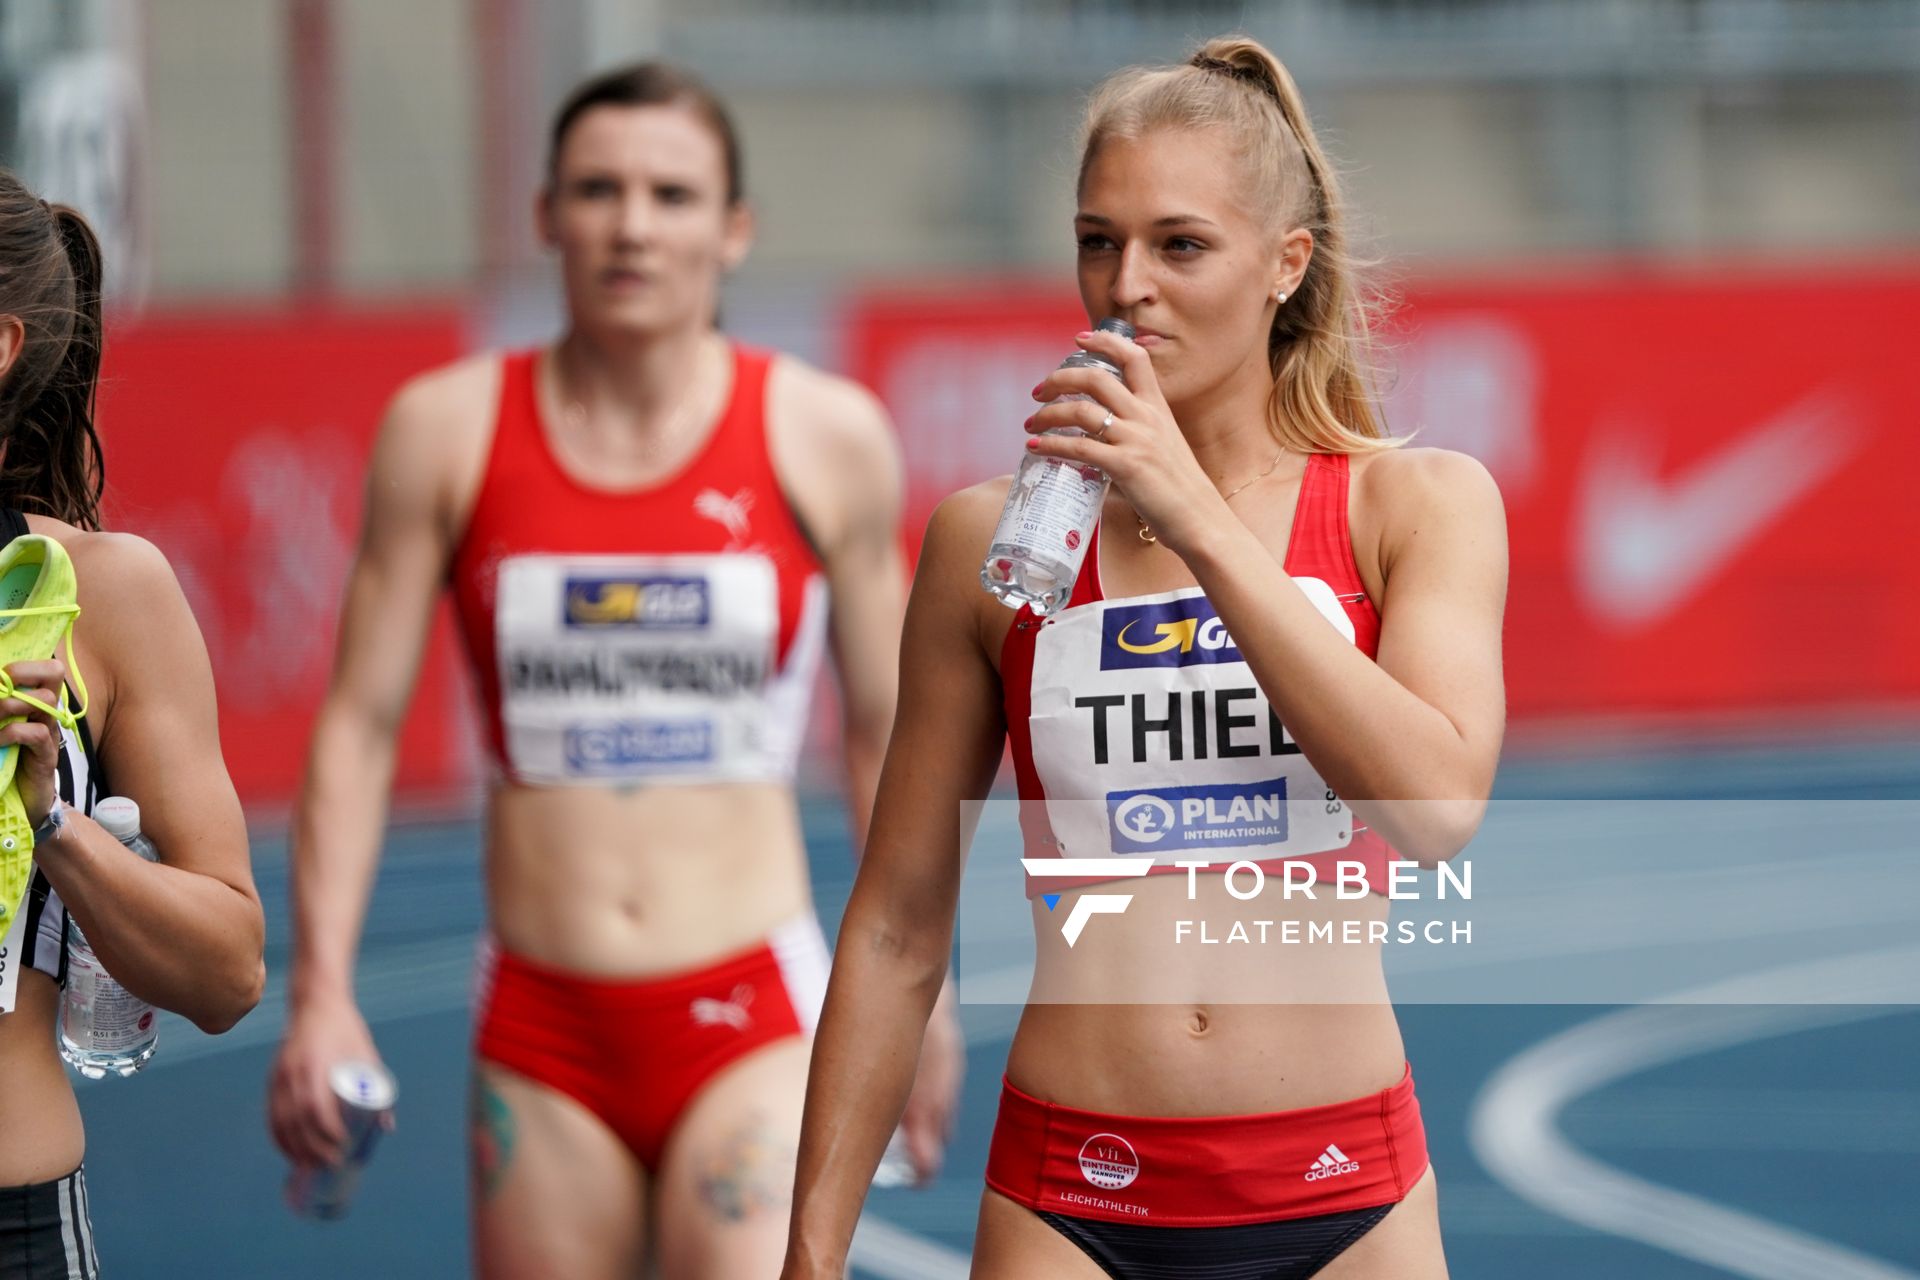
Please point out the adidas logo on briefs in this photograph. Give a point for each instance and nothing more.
(731, 1012)
(1332, 1163)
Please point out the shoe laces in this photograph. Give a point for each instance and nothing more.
(62, 715)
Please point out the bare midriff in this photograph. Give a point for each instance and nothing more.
(629, 882)
(38, 1112)
(1130, 1021)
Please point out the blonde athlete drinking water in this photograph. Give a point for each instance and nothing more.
(1341, 605)
(652, 534)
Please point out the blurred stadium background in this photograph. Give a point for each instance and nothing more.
(1660, 269)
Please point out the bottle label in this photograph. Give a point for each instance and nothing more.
(103, 1017)
(1051, 507)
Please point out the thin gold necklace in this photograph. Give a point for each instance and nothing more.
(1146, 531)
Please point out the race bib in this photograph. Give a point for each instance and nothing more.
(13, 954)
(635, 667)
(1151, 737)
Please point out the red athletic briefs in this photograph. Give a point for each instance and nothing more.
(635, 1053)
(1209, 1171)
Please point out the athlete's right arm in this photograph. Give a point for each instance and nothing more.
(408, 534)
(891, 957)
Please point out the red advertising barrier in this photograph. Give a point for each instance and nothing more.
(237, 443)
(1708, 479)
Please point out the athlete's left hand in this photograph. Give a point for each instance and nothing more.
(928, 1119)
(1142, 448)
(37, 736)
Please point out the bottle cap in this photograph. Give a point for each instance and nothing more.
(119, 815)
(1114, 324)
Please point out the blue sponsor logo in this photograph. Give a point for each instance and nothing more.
(1172, 633)
(656, 602)
(624, 745)
(1223, 816)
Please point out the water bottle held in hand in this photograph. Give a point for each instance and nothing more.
(103, 1026)
(1050, 513)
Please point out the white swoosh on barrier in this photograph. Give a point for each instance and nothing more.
(1514, 1133)
(1643, 546)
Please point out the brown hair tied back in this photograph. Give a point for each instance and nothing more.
(50, 272)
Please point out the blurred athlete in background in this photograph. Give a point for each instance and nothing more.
(651, 534)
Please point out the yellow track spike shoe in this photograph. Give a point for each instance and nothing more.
(37, 609)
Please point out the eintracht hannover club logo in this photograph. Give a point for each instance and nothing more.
(1109, 1162)
(1087, 905)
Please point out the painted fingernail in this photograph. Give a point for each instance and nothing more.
(1083, 335)
(1033, 442)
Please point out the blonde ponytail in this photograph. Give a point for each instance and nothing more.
(1321, 346)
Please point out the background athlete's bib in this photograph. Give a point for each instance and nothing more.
(636, 666)
(1145, 707)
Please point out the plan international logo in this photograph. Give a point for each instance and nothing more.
(1221, 816)
(622, 745)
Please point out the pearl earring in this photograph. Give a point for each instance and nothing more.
(1279, 295)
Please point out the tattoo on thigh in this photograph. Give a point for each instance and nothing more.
(750, 1172)
(490, 1128)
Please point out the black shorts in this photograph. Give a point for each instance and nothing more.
(45, 1233)
(1290, 1249)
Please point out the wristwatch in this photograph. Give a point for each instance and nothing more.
(52, 825)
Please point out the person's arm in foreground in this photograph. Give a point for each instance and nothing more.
(185, 933)
(405, 541)
(895, 937)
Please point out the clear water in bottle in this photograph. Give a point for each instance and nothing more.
(1051, 508)
(103, 1026)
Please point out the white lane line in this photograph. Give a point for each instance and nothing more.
(1514, 1133)
(1733, 1117)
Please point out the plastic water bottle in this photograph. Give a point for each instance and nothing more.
(103, 1026)
(1051, 509)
